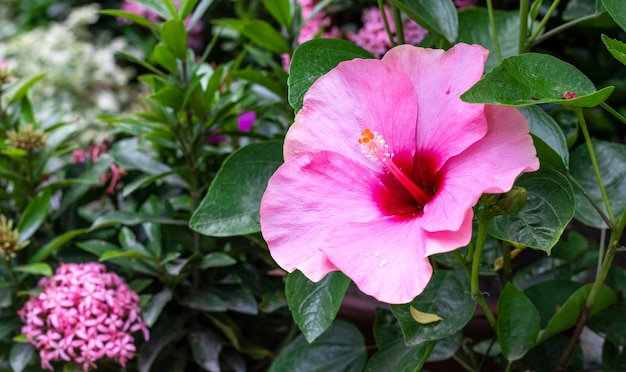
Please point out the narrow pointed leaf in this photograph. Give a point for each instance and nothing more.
(34, 215)
(616, 48)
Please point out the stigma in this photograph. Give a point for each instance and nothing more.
(374, 147)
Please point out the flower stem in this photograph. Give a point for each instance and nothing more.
(544, 21)
(507, 272)
(381, 6)
(523, 25)
(494, 32)
(561, 28)
(397, 20)
(481, 237)
(613, 112)
(430, 346)
(594, 161)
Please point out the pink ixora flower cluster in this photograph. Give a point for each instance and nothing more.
(83, 314)
(383, 165)
(373, 36)
(194, 36)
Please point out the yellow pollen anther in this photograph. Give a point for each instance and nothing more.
(374, 147)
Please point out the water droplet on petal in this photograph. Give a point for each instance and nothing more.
(376, 253)
(382, 263)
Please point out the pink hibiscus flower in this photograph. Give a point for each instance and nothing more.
(383, 166)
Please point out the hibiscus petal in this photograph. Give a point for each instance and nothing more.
(385, 258)
(489, 166)
(446, 125)
(356, 95)
(309, 196)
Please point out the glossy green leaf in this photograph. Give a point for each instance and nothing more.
(169, 96)
(567, 316)
(156, 6)
(340, 348)
(616, 48)
(518, 323)
(174, 37)
(611, 159)
(611, 322)
(237, 298)
(206, 347)
(280, 11)
(131, 17)
(549, 208)
(617, 10)
(38, 268)
(548, 137)
(448, 296)
(163, 56)
(386, 328)
(545, 357)
(231, 206)
(129, 219)
(613, 356)
(315, 305)
(151, 311)
(34, 215)
(263, 34)
(315, 58)
(533, 78)
(474, 28)
(437, 16)
(20, 355)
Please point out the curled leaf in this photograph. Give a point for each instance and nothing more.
(423, 318)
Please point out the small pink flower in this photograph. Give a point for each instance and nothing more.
(383, 166)
(83, 314)
(373, 36)
(460, 4)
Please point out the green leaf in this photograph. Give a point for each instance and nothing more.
(174, 37)
(518, 323)
(437, 16)
(206, 347)
(131, 17)
(613, 356)
(549, 208)
(231, 206)
(20, 355)
(315, 305)
(545, 357)
(113, 218)
(217, 259)
(616, 48)
(549, 296)
(205, 301)
(143, 181)
(56, 243)
(165, 58)
(548, 138)
(315, 58)
(23, 89)
(280, 10)
(108, 255)
(151, 311)
(474, 28)
(39, 268)
(186, 6)
(533, 78)
(156, 6)
(163, 333)
(611, 159)
(567, 316)
(263, 34)
(611, 322)
(617, 10)
(340, 348)
(447, 295)
(34, 215)
(237, 299)
(582, 8)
